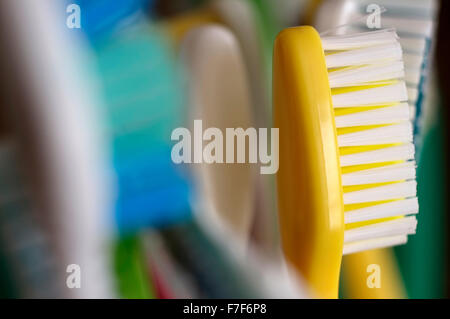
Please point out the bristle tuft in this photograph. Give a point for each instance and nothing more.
(370, 97)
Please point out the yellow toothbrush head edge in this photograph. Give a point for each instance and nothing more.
(310, 196)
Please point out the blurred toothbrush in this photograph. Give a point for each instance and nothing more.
(220, 98)
(56, 104)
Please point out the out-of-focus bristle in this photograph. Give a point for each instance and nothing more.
(372, 115)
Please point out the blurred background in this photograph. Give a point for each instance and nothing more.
(91, 203)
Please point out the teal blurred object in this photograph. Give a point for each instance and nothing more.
(143, 94)
(143, 98)
(99, 18)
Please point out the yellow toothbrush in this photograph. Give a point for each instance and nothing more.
(347, 177)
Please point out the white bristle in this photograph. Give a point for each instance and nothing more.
(412, 77)
(394, 133)
(385, 115)
(400, 226)
(413, 45)
(361, 56)
(390, 173)
(394, 153)
(412, 112)
(413, 94)
(370, 97)
(385, 192)
(407, 206)
(355, 247)
(413, 61)
(366, 73)
(359, 40)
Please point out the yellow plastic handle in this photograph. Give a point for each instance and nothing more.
(310, 198)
